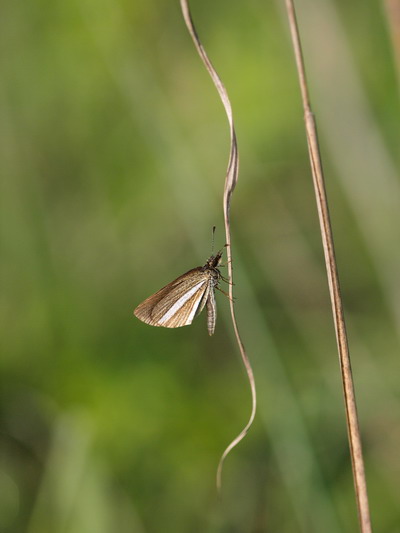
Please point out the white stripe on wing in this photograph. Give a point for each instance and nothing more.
(179, 303)
(195, 308)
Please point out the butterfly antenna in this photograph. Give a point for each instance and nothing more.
(212, 239)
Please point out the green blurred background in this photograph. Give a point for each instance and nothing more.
(113, 148)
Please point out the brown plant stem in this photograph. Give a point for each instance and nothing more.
(230, 183)
(334, 287)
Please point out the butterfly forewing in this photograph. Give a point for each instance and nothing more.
(177, 303)
(184, 314)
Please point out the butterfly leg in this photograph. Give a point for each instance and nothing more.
(226, 280)
(226, 294)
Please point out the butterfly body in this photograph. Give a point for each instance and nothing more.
(179, 302)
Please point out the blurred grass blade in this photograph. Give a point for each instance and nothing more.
(393, 18)
(75, 494)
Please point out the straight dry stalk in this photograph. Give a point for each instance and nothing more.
(334, 287)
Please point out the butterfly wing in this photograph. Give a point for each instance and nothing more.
(177, 303)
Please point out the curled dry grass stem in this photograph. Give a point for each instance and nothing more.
(230, 183)
(334, 287)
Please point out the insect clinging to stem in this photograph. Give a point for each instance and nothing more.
(179, 302)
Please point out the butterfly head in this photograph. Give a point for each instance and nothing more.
(214, 261)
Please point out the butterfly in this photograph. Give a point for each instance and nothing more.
(179, 302)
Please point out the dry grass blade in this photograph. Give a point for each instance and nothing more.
(230, 183)
(334, 287)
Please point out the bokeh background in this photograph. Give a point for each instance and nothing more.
(113, 152)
